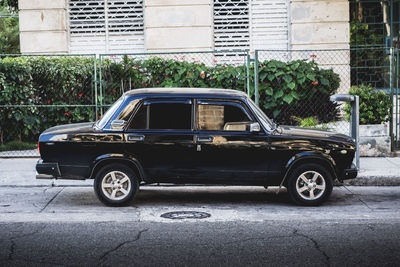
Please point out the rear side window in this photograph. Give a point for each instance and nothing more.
(163, 116)
(222, 117)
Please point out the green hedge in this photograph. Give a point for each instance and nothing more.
(374, 105)
(297, 88)
(43, 81)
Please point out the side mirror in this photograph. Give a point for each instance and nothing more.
(118, 124)
(255, 127)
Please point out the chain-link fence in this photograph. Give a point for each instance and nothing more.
(297, 92)
(216, 69)
(41, 91)
(291, 86)
(295, 86)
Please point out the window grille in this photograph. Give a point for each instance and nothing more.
(231, 24)
(106, 26)
(250, 24)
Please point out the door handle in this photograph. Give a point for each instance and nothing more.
(137, 138)
(204, 139)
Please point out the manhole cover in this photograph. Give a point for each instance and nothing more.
(179, 215)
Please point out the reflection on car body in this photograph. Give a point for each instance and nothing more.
(193, 135)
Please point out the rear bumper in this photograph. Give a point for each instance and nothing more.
(47, 170)
(350, 173)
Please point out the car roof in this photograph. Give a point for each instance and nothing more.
(179, 91)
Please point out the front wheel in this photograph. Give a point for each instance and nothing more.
(310, 185)
(116, 185)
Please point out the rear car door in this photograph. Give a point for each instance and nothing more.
(160, 135)
(226, 150)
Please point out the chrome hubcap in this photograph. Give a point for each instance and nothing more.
(116, 185)
(310, 185)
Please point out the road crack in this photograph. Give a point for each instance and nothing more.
(108, 252)
(13, 243)
(316, 246)
(357, 196)
(48, 203)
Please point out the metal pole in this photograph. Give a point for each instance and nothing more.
(391, 76)
(101, 84)
(355, 126)
(391, 98)
(396, 124)
(256, 76)
(248, 73)
(95, 87)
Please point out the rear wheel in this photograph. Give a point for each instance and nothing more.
(310, 185)
(116, 185)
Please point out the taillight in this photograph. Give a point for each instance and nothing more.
(38, 148)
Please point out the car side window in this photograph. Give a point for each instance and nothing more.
(163, 116)
(222, 117)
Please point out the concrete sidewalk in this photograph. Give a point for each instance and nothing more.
(378, 171)
(21, 172)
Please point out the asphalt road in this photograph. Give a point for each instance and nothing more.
(283, 243)
(50, 226)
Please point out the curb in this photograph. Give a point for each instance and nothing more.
(374, 181)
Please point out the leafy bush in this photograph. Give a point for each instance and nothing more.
(9, 30)
(296, 88)
(17, 145)
(374, 105)
(310, 122)
(158, 72)
(43, 81)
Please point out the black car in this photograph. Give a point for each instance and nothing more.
(194, 136)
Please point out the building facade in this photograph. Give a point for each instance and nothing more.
(134, 26)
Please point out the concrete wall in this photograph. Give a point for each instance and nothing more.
(323, 24)
(43, 26)
(178, 25)
(319, 24)
(375, 140)
(182, 25)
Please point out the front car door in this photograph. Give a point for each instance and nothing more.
(160, 135)
(226, 150)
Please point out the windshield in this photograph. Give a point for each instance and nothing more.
(106, 117)
(267, 123)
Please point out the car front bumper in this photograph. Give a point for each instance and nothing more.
(47, 170)
(350, 173)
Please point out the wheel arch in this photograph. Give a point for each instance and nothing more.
(104, 160)
(310, 157)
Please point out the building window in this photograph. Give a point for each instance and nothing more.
(231, 24)
(106, 26)
(250, 24)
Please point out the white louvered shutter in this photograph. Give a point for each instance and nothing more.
(106, 26)
(269, 24)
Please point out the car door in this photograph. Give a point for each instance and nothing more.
(160, 135)
(226, 150)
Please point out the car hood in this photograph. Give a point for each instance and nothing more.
(85, 127)
(314, 133)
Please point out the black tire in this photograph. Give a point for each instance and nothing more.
(113, 175)
(310, 193)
